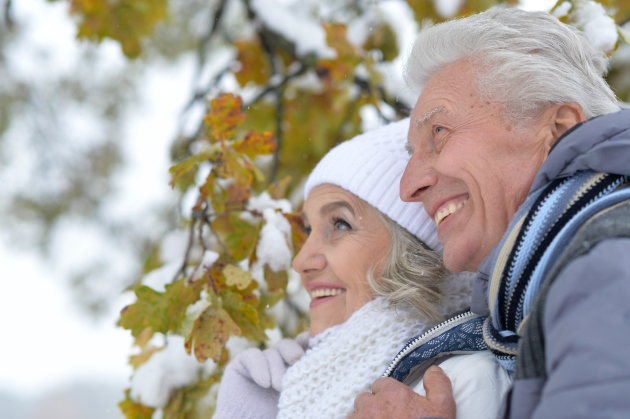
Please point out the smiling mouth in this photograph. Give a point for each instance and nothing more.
(449, 208)
(320, 295)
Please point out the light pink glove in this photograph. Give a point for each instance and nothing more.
(252, 381)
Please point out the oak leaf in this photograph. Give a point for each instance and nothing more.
(209, 334)
(255, 144)
(235, 276)
(225, 115)
(244, 315)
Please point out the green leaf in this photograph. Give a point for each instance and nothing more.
(244, 315)
(276, 281)
(242, 241)
(162, 312)
(210, 332)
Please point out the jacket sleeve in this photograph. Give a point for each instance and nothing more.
(479, 384)
(587, 337)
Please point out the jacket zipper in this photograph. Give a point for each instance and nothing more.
(427, 336)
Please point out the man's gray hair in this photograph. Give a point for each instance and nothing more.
(413, 274)
(528, 61)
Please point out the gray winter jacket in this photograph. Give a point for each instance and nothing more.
(586, 318)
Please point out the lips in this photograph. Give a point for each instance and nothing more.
(449, 207)
(321, 292)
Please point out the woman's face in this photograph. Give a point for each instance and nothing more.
(346, 238)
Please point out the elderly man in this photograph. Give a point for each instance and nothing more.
(521, 155)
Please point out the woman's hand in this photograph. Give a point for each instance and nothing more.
(252, 381)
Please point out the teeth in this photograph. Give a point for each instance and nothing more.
(325, 292)
(446, 211)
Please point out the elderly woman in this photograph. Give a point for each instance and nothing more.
(518, 131)
(374, 283)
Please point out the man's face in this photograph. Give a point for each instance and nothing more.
(468, 168)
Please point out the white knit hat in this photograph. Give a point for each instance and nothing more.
(370, 166)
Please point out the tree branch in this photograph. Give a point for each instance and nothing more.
(8, 13)
(191, 235)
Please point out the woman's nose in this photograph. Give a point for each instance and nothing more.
(310, 259)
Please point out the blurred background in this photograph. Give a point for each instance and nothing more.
(99, 98)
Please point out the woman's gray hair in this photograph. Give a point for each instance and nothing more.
(413, 274)
(528, 61)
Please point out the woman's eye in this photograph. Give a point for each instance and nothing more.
(342, 225)
(438, 129)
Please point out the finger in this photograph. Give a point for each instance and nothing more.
(360, 401)
(439, 389)
(255, 364)
(277, 367)
(289, 350)
(385, 383)
(302, 339)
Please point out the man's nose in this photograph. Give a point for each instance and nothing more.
(417, 179)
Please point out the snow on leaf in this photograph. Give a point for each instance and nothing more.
(273, 248)
(224, 117)
(601, 29)
(235, 276)
(244, 315)
(255, 144)
(168, 369)
(136, 360)
(264, 200)
(209, 334)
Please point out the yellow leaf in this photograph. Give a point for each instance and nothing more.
(254, 61)
(225, 115)
(624, 34)
(210, 332)
(276, 281)
(235, 276)
(136, 360)
(255, 144)
(133, 410)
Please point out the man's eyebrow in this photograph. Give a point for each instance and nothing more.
(423, 119)
(331, 206)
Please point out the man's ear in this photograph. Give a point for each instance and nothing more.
(563, 117)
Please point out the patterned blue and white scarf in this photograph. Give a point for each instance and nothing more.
(536, 237)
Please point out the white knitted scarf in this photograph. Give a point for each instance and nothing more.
(346, 359)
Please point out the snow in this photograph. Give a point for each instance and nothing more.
(597, 25)
(307, 34)
(165, 371)
(264, 200)
(562, 9)
(447, 8)
(273, 248)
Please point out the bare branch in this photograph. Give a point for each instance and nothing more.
(191, 235)
(8, 14)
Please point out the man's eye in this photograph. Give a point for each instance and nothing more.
(438, 129)
(342, 225)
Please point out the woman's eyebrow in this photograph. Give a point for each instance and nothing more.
(331, 206)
